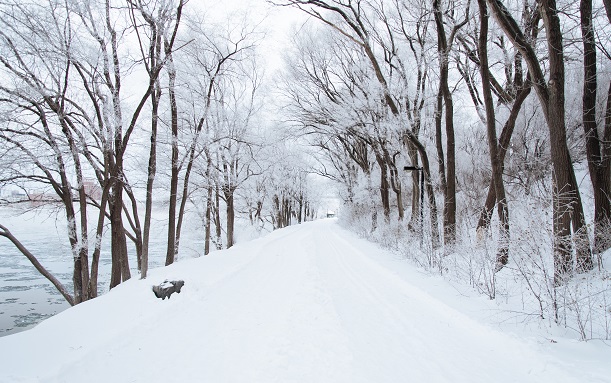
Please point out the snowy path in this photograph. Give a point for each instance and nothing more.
(305, 304)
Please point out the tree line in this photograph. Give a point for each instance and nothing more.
(374, 85)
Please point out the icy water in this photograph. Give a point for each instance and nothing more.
(26, 297)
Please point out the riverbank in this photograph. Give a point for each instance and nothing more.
(26, 297)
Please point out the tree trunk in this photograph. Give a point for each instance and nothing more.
(83, 249)
(606, 147)
(171, 249)
(120, 266)
(74, 243)
(566, 193)
(217, 218)
(599, 175)
(384, 187)
(395, 181)
(300, 211)
(79, 246)
(95, 259)
(208, 222)
(441, 164)
(449, 210)
(502, 256)
(430, 191)
(134, 222)
(415, 216)
(152, 171)
(277, 216)
(230, 217)
(286, 209)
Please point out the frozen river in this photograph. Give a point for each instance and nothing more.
(26, 298)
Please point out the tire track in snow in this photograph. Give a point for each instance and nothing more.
(366, 314)
(256, 318)
(316, 348)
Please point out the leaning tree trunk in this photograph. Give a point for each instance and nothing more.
(4, 232)
(95, 258)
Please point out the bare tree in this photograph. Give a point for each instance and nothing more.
(234, 113)
(209, 58)
(567, 207)
(43, 122)
(497, 169)
(156, 48)
(444, 47)
(72, 105)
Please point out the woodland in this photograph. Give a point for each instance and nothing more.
(471, 136)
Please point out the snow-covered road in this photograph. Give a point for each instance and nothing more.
(310, 303)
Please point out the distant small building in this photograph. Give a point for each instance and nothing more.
(16, 196)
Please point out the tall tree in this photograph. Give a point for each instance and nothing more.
(600, 172)
(567, 206)
(39, 124)
(209, 57)
(444, 47)
(495, 160)
(162, 19)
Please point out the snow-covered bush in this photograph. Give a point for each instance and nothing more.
(525, 288)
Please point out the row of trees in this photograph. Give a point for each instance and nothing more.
(380, 91)
(150, 101)
(107, 107)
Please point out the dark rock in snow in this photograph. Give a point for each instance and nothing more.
(166, 288)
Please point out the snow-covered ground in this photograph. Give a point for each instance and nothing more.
(309, 303)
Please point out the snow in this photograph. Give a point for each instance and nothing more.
(309, 303)
(166, 284)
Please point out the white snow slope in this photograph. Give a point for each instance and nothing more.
(310, 303)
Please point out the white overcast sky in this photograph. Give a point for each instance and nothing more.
(278, 22)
